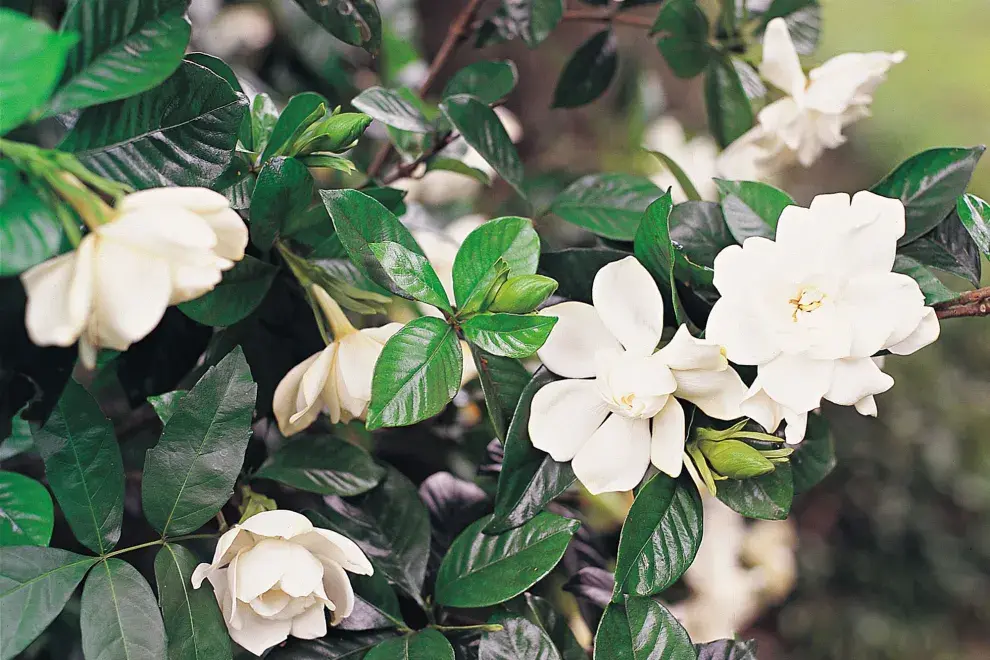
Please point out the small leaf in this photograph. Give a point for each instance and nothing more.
(488, 81)
(165, 404)
(323, 464)
(119, 616)
(727, 649)
(684, 42)
(609, 205)
(239, 293)
(752, 208)
(683, 180)
(356, 22)
(481, 128)
(275, 131)
(766, 498)
(950, 248)
(729, 111)
(813, 459)
(511, 239)
(532, 20)
(27, 515)
(975, 216)
(412, 273)
(588, 72)
(519, 638)
(423, 645)
(641, 629)
(283, 193)
(392, 109)
(502, 382)
(508, 335)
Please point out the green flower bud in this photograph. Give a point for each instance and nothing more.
(735, 459)
(523, 294)
(335, 133)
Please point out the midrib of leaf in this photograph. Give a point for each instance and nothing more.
(46, 575)
(414, 374)
(507, 557)
(185, 595)
(116, 607)
(85, 486)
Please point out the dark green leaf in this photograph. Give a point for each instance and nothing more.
(33, 58)
(508, 335)
(412, 273)
(699, 231)
(660, 537)
(511, 239)
(610, 205)
(752, 208)
(27, 515)
(541, 612)
(20, 440)
(532, 20)
(30, 231)
(277, 130)
(282, 194)
(489, 81)
(641, 629)
(239, 293)
(502, 381)
(683, 180)
(375, 604)
(165, 404)
(336, 646)
(264, 115)
(574, 269)
(84, 468)
(193, 622)
(423, 645)
(390, 198)
(519, 638)
(523, 294)
(417, 374)
(529, 479)
(727, 649)
(482, 569)
(120, 53)
(729, 111)
(392, 109)
(35, 584)
(119, 616)
(950, 248)
(684, 42)
(191, 472)
(217, 66)
(814, 458)
(323, 464)
(481, 128)
(588, 72)
(975, 216)
(655, 250)
(928, 282)
(181, 133)
(928, 184)
(766, 498)
(804, 22)
(356, 22)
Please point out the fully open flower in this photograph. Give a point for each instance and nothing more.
(811, 308)
(617, 409)
(337, 380)
(161, 247)
(810, 118)
(275, 575)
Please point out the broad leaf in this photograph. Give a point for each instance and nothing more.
(189, 475)
(766, 498)
(417, 374)
(357, 22)
(660, 537)
(489, 81)
(519, 638)
(165, 404)
(392, 109)
(84, 468)
(729, 111)
(412, 273)
(589, 72)
(239, 293)
(511, 239)
(727, 649)
(35, 584)
(375, 604)
(27, 515)
(928, 184)
(276, 134)
(282, 194)
(30, 231)
(453, 504)
(928, 282)
(120, 53)
(193, 622)
(684, 37)
(502, 382)
(482, 569)
(655, 250)
(574, 269)
(950, 248)
(323, 464)
(609, 205)
(641, 629)
(975, 216)
(336, 646)
(700, 232)
(217, 66)
(481, 128)
(542, 612)
(119, 616)
(814, 458)
(181, 133)
(752, 208)
(508, 335)
(426, 644)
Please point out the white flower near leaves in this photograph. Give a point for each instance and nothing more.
(276, 575)
(811, 308)
(162, 247)
(337, 380)
(817, 107)
(696, 157)
(617, 409)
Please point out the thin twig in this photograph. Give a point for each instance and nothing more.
(606, 16)
(971, 303)
(407, 169)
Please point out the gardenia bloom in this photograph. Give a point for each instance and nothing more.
(275, 575)
(337, 380)
(617, 409)
(810, 118)
(811, 308)
(162, 247)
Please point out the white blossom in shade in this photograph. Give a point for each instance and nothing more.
(335, 381)
(276, 575)
(617, 409)
(161, 247)
(811, 308)
(696, 157)
(816, 108)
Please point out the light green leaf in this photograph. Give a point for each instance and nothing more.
(27, 515)
(508, 335)
(30, 231)
(511, 239)
(752, 208)
(458, 167)
(239, 293)
(392, 109)
(609, 205)
(119, 616)
(588, 72)
(412, 273)
(488, 81)
(481, 128)
(299, 113)
(426, 644)
(641, 629)
(323, 464)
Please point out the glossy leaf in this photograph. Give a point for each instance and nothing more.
(84, 468)
(511, 239)
(20, 440)
(27, 515)
(392, 109)
(660, 537)
(574, 269)
(282, 194)
(35, 584)
(530, 479)
(588, 72)
(700, 232)
(655, 250)
(752, 208)
(181, 133)
(729, 111)
(531, 20)
(543, 613)
(165, 404)
(412, 273)
(813, 459)
(488, 81)
(357, 22)
(453, 504)
(376, 606)
(336, 646)
(30, 231)
(481, 128)
(727, 649)
(417, 374)
(950, 248)
(482, 569)
(975, 216)
(119, 53)
(804, 22)
(928, 184)
(189, 475)
(928, 282)
(508, 335)
(609, 205)
(217, 66)
(323, 464)
(766, 498)
(641, 629)
(239, 293)
(684, 37)
(518, 638)
(502, 382)
(299, 113)
(194, 625)
(426, 644)
(119, 616)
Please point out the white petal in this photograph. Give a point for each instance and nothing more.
(258, 634)
(563, 415)
(733, 325)
(718, 393)
(329, 546)
(468, 369)
(578, 334)
(232, 542)
(302, 573)
(667, 439)
(848, 80)
(384, 333)
(260, 568)
(877, 223)
(58, 297)
(201, 573)
(687, 352)
(758, 406)
(166, 232)
(286, 396)
(797, 425)
(311, 624)
(927, 332)
(796, 382)
(855, 378)
(867, 406)
(131, 292)
(232, 233)
(218, 580)
(270, 603)
(281, 523)
(629, 304)
(881, 306)
(781, 66)
(199, 200)
(356, 357)
(616, 456)
(339, 591)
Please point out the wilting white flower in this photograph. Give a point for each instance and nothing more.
(337, 380)
(275, 575)
(162, 247)
(811, 308)
(617, 409)
(810, 118)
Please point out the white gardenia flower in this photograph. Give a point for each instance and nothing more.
(276, 575)
(337, 380)
(617, 409)
(162, 247)
(812, 307)
(697, 157)
(816, 108)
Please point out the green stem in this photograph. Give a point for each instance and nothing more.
(483, 627)
(306, 282)
(163, 541)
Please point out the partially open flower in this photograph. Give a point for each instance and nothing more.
(162, 247)
(276, 575)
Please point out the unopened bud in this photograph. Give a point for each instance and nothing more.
(735, 459)
(523, 294)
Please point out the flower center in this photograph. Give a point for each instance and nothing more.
(633, 385)
(807, 300)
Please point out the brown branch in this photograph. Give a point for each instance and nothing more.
(457, 34)
(971, 303)
(407, 169)
(607, 16)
